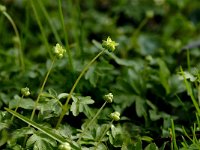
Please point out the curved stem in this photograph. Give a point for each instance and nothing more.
(90, 123)
(20, 53)
(141, 25)
(103, 134)
(17, 107)
(42, 88)
(65, 107)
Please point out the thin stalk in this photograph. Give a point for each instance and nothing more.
(65, 34)
(20, 53)
(188, 60)
(175, 147)
(41, 89)
(41, 28)
(194, 134)
(189, 90)
(141, 25)
(17, 107)
(38, 98)
(49, 21)
(90, 123)
(103, 134)
(65, 107)
(187, 134)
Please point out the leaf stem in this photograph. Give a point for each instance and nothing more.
(17, 107)
(20, 53)
(103, 134)
(42, 88)
(90, 123)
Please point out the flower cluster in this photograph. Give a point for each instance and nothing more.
(115, 116)
(109, 44)
(2, 8)
(59, 51)
(64, 146)
(108, 97)
(25, 91)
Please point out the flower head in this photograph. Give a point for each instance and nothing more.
(59, 51)
(115, 116)
(109, 44)
(64, 146)
(25, 91)
(149, 14)
(2, 8)
(108, 97)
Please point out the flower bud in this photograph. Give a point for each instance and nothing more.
(59, 51)
(2, 8)
(64, 146)
(149, 14)
(109, 44)
(115, 116)
(25, 91)
(108, 97)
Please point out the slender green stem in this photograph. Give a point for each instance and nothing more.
(66, 35)
(65, 107)
(17, 107)
(90, 123)
(188, 60)
(103, 134)
(141, 25)
(41, 28)
(20, 53)
(183, 129)
(39, 95)
(174, 136)
(42, 88)
(189, 90)
(49, 21)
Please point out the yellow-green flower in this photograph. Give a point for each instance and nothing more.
(64, 146)
(59, 51)
(108, 97)
(2, 8)
(115, 116)
(25, 91)
(109, 44)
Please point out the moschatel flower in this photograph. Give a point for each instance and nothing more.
(59, 51)
(25, 91)
(2, 8)
(108, 97)
(109, 44)
(64, 146)
(115, 116)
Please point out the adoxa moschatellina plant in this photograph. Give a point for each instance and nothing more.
(58, 52)
(107, 45)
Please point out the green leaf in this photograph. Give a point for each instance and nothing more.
(138, 145)
(40, 141)
(79, 103)
(164, 74)
(25, 103)
(146, 138)
(151, 146)
(140, 106)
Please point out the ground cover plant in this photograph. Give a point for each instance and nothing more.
(99, 74)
